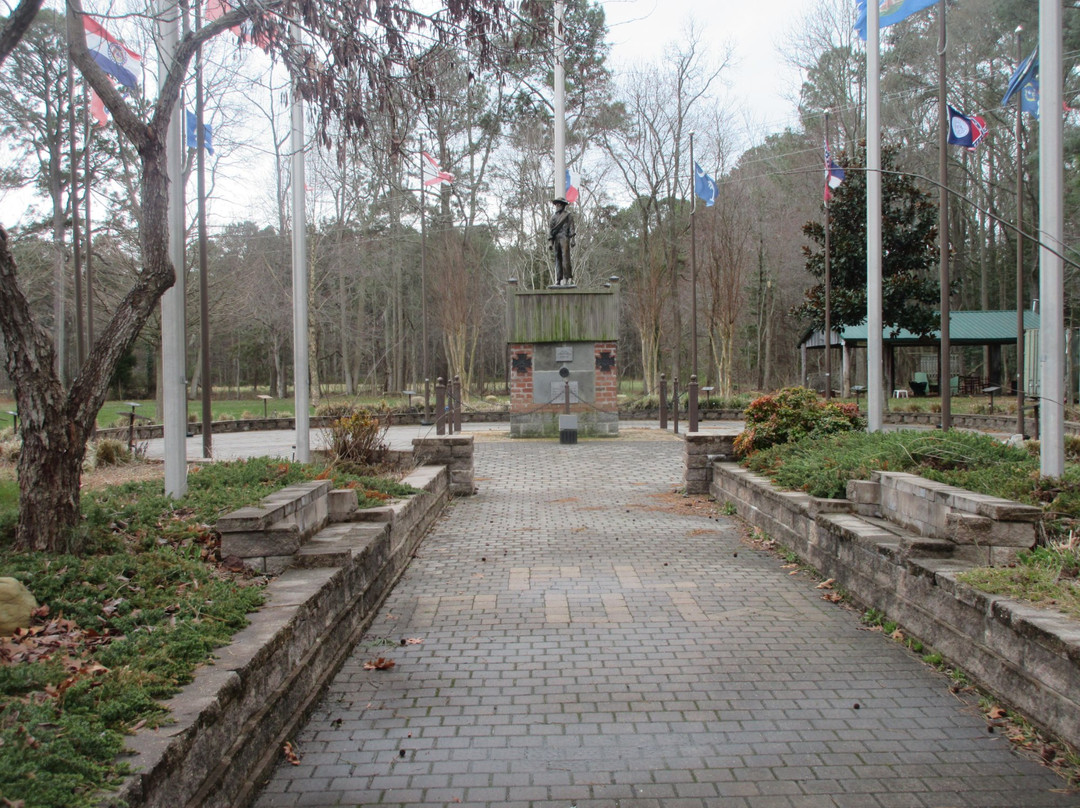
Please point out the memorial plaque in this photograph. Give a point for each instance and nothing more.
(564, 353)
(558, 392)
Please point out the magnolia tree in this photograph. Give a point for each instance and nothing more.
(349, 58)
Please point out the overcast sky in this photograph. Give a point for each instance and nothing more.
(759, 79)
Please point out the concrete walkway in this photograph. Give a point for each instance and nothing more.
(577, 635)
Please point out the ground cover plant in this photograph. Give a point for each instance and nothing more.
(126, 621)
(1048, 575)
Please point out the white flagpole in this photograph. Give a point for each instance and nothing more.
(874, 383)
(300, 280)
(1051, 232)
(559, 46)
(945, 349)
(173, 364)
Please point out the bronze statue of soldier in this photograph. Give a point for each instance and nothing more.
(561, 235)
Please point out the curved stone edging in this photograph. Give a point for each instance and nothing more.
(230, 722)
(1027, 657)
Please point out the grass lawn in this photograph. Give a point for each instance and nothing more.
(124, 622)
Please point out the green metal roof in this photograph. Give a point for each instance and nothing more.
(965, 327)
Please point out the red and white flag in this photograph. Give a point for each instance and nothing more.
(218, 8)
(571, 194)
(111, 55)
(97, 109)
(433, 175)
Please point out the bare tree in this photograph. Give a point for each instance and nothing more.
(355, 53)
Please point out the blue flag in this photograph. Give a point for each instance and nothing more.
(964, 130)
(1025, 74)
(1029, 97)
(889, 12)
(704, 186)
(192, 137)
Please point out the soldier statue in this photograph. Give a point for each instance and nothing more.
(561, 235)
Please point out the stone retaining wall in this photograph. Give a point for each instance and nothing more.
(1027, 657)
(231, 722)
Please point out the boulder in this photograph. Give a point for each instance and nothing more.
(16, 606)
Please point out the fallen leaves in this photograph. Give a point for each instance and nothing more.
(827, 584)
(290, 753)
(380, 664)
(413, 640)
(832, 597)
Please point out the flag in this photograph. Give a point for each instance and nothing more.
(433, 175)
(1029, 97)
(218, 8)
(112, 57)
(192, 134)
(1027, 73)
(890, 11)
(571, 194)
(704, 186)
(97, 109)
(964, 130)
(834, 175)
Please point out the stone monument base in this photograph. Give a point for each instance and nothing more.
(546, 424)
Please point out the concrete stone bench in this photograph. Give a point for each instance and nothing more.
(292, 526)
(984, 529)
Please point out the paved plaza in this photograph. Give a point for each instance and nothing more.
(579, 635)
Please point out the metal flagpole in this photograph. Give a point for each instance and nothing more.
(693, 259)
(1051, 235)
(76, 256)
(559, 46)
(173, 383)
(204, 281)
(693, 388)
(300, 279)
(945, 374)
(1019, 252)
(875, 389)
(423, 284)
(828, 273)
(89, 229)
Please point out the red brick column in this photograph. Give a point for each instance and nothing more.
(521, 377)
(607, 377)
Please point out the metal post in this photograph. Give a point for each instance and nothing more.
(173, 364)
(1019, 253)
(457, 404)
(301, 392)
(559, 48)
(828, 276)
(693, 403)
(663, 401)
(440, 406)
(1052, 230)
(675, 405)
(204, 271)
(944, 384)
(876, 393)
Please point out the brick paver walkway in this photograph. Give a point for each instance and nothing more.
(589, 640)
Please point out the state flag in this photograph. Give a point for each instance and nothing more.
(110, 55)
(571, 194)
(890, 12)
(964, 130)
(192, 135)
(834, 175)
(704, 186)
(433, 174)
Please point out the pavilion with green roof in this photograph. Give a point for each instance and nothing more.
(909, 357)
